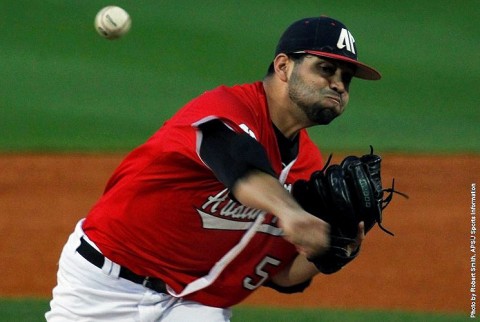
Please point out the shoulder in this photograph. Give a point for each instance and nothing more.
(244, 105)
(244, 94)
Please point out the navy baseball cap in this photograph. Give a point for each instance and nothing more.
(325, 37)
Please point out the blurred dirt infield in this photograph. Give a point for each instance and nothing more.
(426, 266)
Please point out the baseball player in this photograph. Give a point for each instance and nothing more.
(200, 216)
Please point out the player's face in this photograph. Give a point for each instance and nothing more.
(320, 88)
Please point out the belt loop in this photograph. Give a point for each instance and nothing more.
(107, 266)
(115, 270)
(110, 268)
(146, 282)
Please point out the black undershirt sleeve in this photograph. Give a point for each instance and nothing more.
(231, 155)
(299, 288)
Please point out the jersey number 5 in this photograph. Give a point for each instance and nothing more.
(261, 273)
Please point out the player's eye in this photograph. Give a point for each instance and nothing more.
(347, 78)
(327, 69)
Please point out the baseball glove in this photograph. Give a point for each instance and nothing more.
(344, 195)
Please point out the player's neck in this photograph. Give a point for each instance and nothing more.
(285, 116)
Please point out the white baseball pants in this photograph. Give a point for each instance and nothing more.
(85, 292)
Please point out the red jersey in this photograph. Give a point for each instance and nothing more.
(164, 214)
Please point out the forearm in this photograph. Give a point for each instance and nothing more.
(262, 191)
(299, 271)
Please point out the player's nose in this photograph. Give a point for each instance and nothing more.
(336, 82)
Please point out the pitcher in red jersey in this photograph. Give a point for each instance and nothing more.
(200, 216)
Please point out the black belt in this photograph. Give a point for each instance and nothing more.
(96, 258)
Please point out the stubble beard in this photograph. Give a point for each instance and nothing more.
(302, 95)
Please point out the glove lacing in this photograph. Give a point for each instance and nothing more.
(386, 201)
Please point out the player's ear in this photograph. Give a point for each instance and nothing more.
(281, 65)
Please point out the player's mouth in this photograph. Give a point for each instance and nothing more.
(337, 100)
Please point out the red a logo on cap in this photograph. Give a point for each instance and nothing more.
(346, 40)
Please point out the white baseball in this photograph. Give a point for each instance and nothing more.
(112, 22)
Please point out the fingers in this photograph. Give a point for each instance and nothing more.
(361, 232)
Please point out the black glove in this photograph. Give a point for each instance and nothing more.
(344, 195)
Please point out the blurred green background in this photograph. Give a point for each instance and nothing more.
(63, 87)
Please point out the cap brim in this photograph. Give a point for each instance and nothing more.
(363, 71)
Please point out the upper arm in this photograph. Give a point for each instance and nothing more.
(230, 155)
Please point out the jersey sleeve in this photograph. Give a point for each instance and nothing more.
(231, 155)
